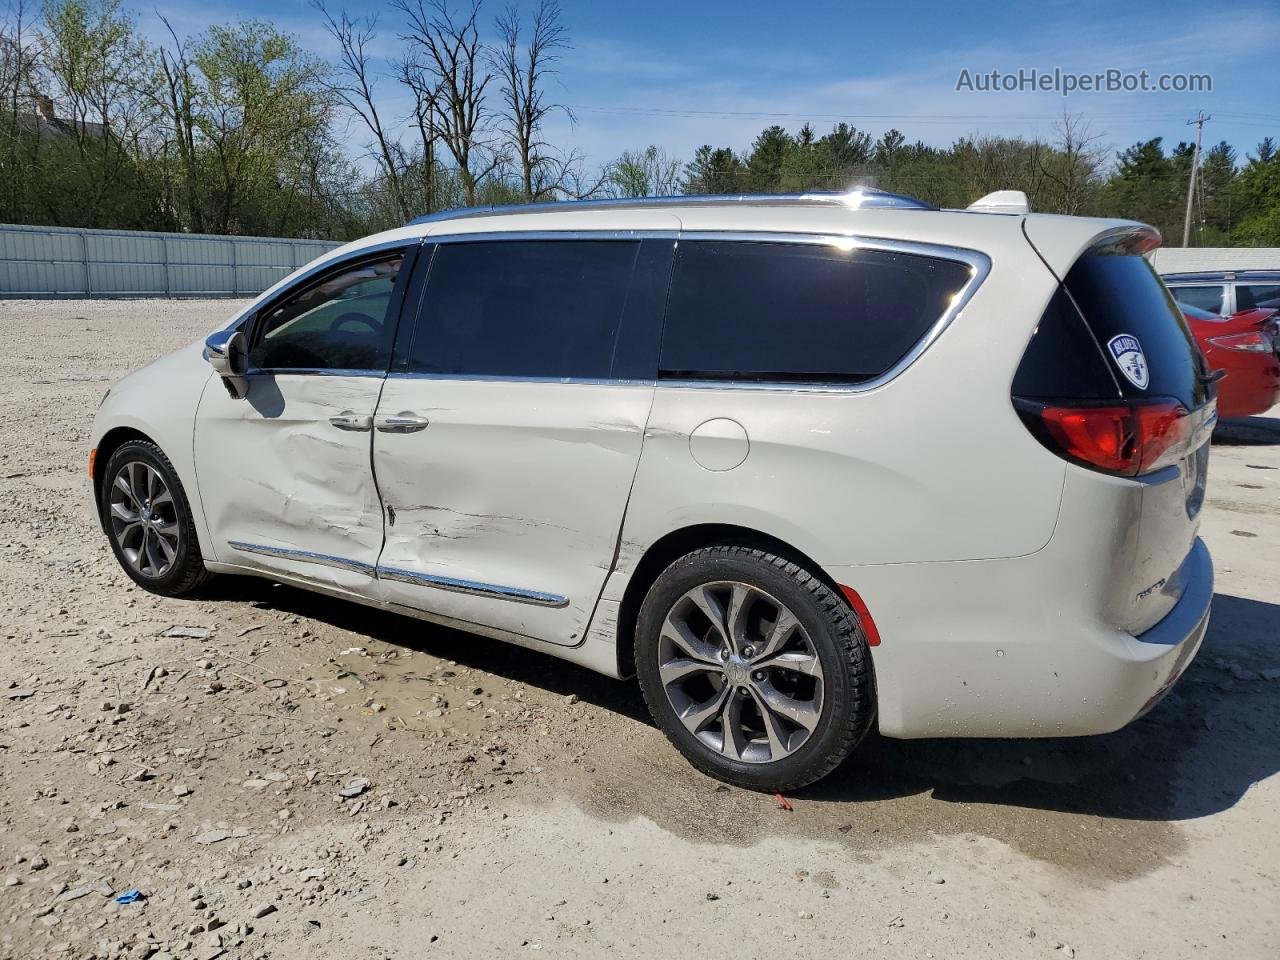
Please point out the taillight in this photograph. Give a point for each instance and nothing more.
(1126, 439)
(1252, 342)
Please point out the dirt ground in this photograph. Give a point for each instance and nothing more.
(503, 802)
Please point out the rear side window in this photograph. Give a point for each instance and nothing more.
(524, 308)
(768, 311)
(1138, 326)
(1206, 298)
(1265, 295)
(1063, 360)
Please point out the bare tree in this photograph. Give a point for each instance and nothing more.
(424, 121)
(1076, 161)
(354, 88)
(524, 70)
(448, 71)
(179, 92)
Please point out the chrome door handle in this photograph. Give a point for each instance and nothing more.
(347, 420)
(401, 423)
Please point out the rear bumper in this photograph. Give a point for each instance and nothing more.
(990, 649)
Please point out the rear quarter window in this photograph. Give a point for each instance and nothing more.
(1205, 297)
(800, 312)
(1120, 296)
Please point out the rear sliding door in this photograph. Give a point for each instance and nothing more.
(508, 433)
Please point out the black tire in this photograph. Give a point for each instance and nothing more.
(834, 635)
(186, 572)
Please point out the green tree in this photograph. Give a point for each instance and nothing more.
(714, 170)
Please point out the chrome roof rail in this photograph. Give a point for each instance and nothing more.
(861, 199)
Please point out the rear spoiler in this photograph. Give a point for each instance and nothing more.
(1061, 241)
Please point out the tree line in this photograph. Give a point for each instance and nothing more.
(240, 130)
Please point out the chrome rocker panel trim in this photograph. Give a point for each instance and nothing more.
(472, 587)
(306, 556)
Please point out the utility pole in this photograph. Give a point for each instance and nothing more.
(1199, 121)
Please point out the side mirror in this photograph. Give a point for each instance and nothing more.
(226, 353)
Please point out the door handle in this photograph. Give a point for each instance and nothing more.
(352, 421)
(401, 423)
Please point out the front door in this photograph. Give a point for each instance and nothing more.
(285, 477)
(508, 433)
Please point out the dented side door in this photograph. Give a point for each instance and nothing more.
(505, 495)
(285, 475)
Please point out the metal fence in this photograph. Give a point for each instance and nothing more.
(1198, 259)
(71, 262)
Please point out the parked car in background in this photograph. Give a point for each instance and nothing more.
(1226, 292)
(1246, 347)
(803, 464)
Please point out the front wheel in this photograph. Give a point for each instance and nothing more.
(754, 668)
(148, 520)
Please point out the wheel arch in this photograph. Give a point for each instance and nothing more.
(111, 441)
(670, 547)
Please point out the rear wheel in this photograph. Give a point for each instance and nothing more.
(148, 520)
(754, 668)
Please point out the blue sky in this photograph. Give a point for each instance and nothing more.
(680, 74)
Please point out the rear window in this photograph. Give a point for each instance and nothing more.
(1139, 327)
(769, 311)
(1205, 298)
(1265, 295)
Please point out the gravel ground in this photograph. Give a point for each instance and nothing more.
(287, 776)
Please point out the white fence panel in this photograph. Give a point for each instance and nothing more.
(72, 262)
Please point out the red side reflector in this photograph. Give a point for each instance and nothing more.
(93, 457)
(860, 608)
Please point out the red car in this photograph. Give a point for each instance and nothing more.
(1247, 346)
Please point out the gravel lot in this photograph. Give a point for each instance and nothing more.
(508, 802)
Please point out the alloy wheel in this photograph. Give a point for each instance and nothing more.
(144, 519)
(740, 671)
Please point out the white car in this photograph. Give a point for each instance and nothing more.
(801, 464)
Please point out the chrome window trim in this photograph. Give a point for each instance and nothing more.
(505, 378)
(979, 264)
(312, 372)
(472, 587)
(305, 556)
(502, 236)
(860, 199)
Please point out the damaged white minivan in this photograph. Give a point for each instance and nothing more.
(801, 464)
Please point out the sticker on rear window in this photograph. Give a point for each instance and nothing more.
(1127, 352)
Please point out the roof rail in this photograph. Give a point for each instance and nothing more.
(861, 199)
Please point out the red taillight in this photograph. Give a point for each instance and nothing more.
(1124, 439)
(1252, 342)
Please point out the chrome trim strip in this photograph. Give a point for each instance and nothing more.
(472, 587)
(855, 200)
(306, 556)
(502, 378)
(979, 265)
(499, 236)
(312, 372)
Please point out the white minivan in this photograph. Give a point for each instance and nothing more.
(801, 464)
